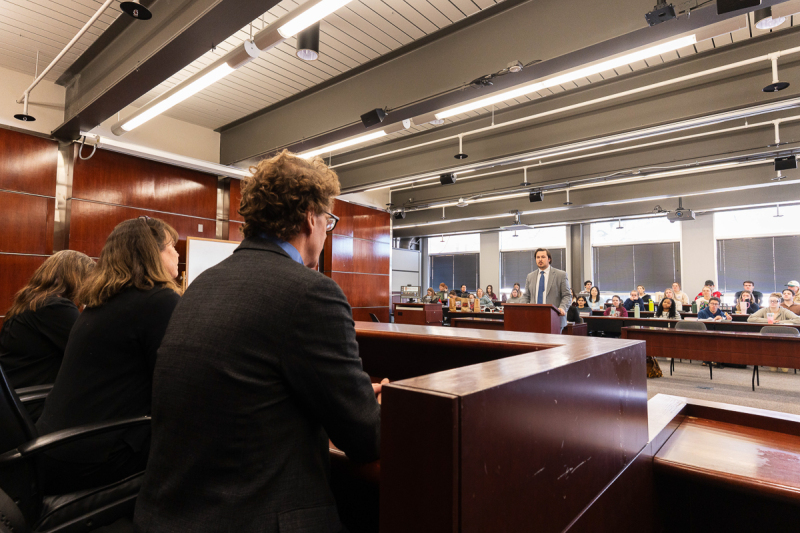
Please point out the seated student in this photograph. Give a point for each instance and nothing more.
(594, 300)
(755, 296)
(710, 284)
(430, 297)
(667, 309)
(680, 297)
(580, 308)
(633, 301)
(484, 300)
(107, 371)
(705, 297)
(587, 288)
(442, 294)
(463, 293)
(643, 296)
(490, 293)
(519, 292)
(473, 303)
(713, 312)
(788, 301)
(616, 308)
(744, 304)
(37, 326)
(515, 297)
(779, 313)
(794, 285)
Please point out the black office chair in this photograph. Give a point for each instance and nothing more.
(691, 325)
(33, 399)
(773, 330)
(374, 318)
(20, 474)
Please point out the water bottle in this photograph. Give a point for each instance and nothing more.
(636, 312)
(694, 307)
(650, 305)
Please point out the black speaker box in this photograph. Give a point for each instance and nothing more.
(373, 117)
(399, 215)
(536, 196)
(785, 163)
(726, 6)
(447, 179)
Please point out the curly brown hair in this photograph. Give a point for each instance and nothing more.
(281, 190)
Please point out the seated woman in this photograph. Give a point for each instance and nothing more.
(582, 305)
(430, 297)
(667, 309)
(108, 364)
(484, 300)
(515, 297)
(37, 326)
(575, 311)
(594, 298)
(703, 298)
(745, 304)
(779, 314)
(616, 308)
(490, 293)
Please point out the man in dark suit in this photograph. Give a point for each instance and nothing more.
(258, 369)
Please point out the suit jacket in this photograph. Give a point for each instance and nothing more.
(557, 292)
(258, 368)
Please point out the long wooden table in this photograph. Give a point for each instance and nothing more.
(651, 314)
(494, 321)
(732, 347)
(609, 324)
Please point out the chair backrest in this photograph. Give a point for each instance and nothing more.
(374, 318)
(11, 519)
(780, 330)
(19, 481)
(691, 325)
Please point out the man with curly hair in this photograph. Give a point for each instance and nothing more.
(258, 369)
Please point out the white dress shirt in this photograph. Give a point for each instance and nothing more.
(535, 288)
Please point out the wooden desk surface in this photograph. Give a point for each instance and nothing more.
(615, 324)
(753, 459)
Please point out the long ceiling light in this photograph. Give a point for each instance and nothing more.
(283, 28)
(343, 144)
(584, 72)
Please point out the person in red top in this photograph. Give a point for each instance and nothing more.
(709, 283)
(616, 304)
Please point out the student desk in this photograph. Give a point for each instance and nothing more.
(732, 347)
(650, 314)
(494, 321)
(610, 324)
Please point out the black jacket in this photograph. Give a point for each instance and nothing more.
(258, 368)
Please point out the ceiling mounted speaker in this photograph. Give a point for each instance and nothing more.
(726, 6)
(785, 163)
(536, 196)
(308, 43)
(136, 10)
(447, 179)
(373, 117)
(399, 215)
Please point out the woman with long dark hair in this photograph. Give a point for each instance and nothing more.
(667, 309)
(594, 300)
(108, 365)
(37, 326)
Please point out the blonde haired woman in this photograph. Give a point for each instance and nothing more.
(108, 365)
(37, 326)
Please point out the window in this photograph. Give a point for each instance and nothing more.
(515, 266)
(770, 262)
(531, 239)
(455, 270)
(453, 244)
(635, 231)
(757, 223)
(619, 269)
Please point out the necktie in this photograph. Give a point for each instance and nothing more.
(540, 293)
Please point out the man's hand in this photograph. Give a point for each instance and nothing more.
(561, 312)
(376, 388)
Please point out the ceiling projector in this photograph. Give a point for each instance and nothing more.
(680, 213)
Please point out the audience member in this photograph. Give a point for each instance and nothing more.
(574, 312)
(37, 325)
(594, 298)
(788, 301)
(108, 364)
(442, 294)
(773, 312)
(587, 288)
(430, 297)
(704, 297)
(515, 298)
(712, 311)
(756, 296)
(643, 296)
(680, 296)
(795, 288)
(710, 284)
(616, 308)
(484, 300)
(666, 309)
(464, 293)
(582, 305)
(490, 293)
(245, 395)
(634, 301)
(472, 302)
(744, 304)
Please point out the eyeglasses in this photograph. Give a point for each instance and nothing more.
(332, 221)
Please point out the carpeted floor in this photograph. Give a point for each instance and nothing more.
(778, 391)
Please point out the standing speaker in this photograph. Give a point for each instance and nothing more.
(726, 6)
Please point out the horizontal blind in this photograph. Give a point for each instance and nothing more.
(465, 271)
(656, 266)
(613, 268)
(441, 271)
(514, 268)
(746, 259)
(787, 260)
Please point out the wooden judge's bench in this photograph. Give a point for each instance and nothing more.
(497, 431)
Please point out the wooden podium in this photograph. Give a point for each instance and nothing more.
(418, 314)
(532, 318)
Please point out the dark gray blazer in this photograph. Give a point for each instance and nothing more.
(258, 368)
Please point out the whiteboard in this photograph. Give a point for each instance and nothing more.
(202, 254)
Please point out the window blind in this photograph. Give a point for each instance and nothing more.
(769, 262)
(515, 266)
(621, 268)
(455, 270)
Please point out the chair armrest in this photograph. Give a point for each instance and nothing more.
(35, 393)
(56, 439)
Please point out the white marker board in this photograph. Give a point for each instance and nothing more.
(202, 254)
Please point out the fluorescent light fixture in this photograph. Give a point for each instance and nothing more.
(343, 144)
(311, 15)
(584, 72)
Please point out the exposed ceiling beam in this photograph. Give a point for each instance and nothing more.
(124, 66)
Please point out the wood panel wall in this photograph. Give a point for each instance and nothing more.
(356, 256)
(235, 220)
(110, 188)
(28, 167)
